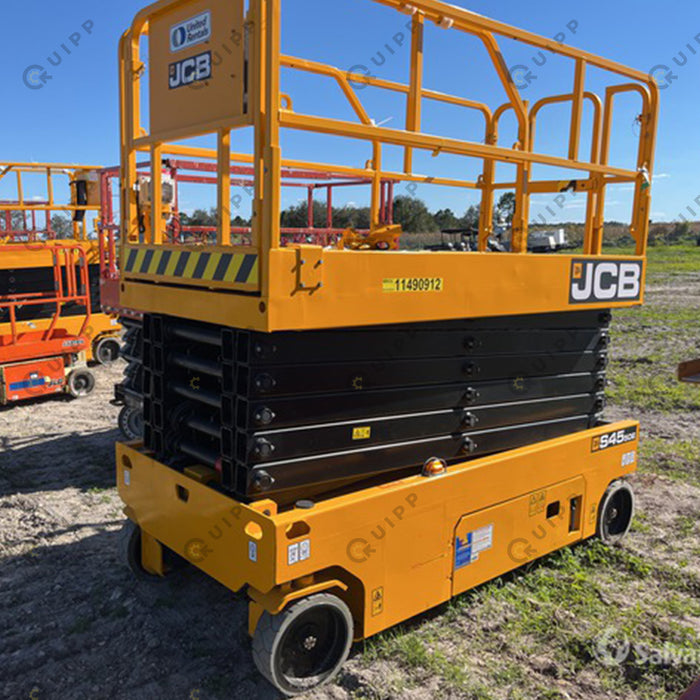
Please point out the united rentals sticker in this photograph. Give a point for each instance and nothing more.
(191, 32)
(594, 281)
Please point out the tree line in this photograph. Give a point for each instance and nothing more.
(413, 215)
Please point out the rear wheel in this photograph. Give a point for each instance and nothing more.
(131, 423)
(616, 513)
(107, 351)
(130, 545)
(304, 646)
(81, 382)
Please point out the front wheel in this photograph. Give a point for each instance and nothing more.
(304, 646)
(107, 351)
(81, 382)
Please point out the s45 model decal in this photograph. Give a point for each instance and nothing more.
(619, 437)
(594, 281)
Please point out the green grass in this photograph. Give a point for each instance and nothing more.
(649, 342)
(667, 259)
(653, 393)
(676, 459)
(553, 612)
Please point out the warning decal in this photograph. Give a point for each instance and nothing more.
(467, 551)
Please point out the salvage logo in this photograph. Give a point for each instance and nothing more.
(619, 437)
(188, 71)
(605, 281)
(191, 32)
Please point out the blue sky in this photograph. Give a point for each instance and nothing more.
(74, 117)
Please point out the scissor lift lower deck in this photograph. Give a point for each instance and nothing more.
(320, 574)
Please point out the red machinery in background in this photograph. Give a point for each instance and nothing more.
(689, 372)
(178, 172)
(51, 360)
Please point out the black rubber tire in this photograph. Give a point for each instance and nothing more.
(107, 351)
(131, 423)
(278, 641)
(81, 382)
(616, 513)
(130, 547)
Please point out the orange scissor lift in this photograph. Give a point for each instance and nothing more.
(299, 399)
(44, 207)
(51, 360)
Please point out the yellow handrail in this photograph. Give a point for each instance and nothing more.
(268, 114)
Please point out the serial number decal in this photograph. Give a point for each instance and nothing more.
(414, 284)
(619, 437)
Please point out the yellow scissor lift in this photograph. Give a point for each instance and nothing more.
(35, 193)
(335, 533)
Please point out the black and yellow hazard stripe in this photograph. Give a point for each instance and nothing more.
(234, 268)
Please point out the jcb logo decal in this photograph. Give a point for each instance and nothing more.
(190, 70)
(605, 281)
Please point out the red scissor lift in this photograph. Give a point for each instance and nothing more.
(30, 231)
(49, 361)
(179, 172)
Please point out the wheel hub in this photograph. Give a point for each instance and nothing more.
(310, 643)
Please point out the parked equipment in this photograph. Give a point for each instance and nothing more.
(36, 363)
(463, 240)
(184, 171)
(33, 223)
(689, 372)
(549, 241)
(353, 436)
